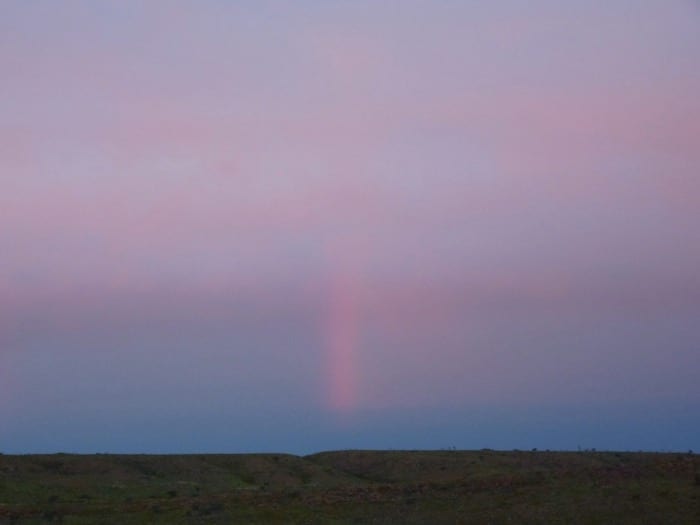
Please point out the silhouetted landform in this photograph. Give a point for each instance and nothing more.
(353, 487)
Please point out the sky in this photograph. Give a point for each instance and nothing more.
(238, 226)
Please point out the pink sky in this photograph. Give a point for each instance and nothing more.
(445, 203)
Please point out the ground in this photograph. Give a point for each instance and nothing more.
(431, 487)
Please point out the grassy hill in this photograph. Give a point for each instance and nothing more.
(353, 487)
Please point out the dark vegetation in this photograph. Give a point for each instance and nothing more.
(353, 487)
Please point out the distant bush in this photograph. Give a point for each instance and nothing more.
(52, 465)
(247, 477)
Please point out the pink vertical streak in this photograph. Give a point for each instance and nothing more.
(343, 334)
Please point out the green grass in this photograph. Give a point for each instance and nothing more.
(353, 487)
